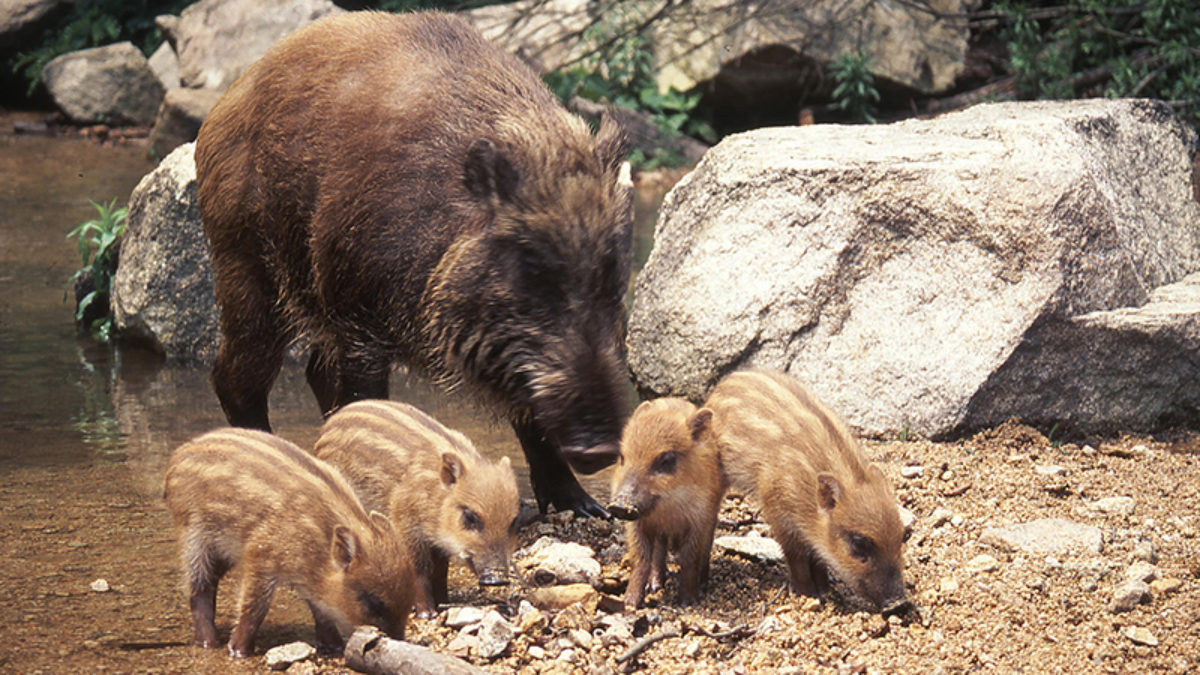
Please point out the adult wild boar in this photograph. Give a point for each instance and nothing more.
(396, 188)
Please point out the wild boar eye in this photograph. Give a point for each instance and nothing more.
(861, 547)
(665, 463)
(471, 520)
(373, 605)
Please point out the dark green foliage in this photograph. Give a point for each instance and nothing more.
(619, 69)
(99, 244)
(92, 23)
(855, 92)
(1114, 48)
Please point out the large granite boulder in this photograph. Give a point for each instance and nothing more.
(218, 39)
(163, 290)
(179, 118)
(112, 84)
(1021, 259)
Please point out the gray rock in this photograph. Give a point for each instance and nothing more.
(279, 658)
(1115, 506)
(1141, 571)
(18, 16)
(1128, 595)
(941, 275)
(1046, 536)
(550, 562)
(216, 40)
(755, 548)
(1140, 635)
(495, 635)
(912, 471)
(907, 518)
(1144, 550)
(982, 563)
(111, 85)
(163, 290)
(179, 118)
(165, 64)
(461, 617)
(940, 516)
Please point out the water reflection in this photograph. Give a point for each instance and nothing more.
(65, 399)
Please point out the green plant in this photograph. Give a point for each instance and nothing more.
(1114, 48)
(99, 244)
(619, 69)
(855, 92)
(92, 23)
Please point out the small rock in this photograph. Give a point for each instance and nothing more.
(567, 655)
(912, 471)
(1089, 586)
(691, 648)
(302, 668)
(1128, 595)
(1141, 571)
(462, 645)
(550, 562)
(1088, 450)
(1165, 586)
(99, 586)
(907, 518)
(535, 652)
(1047, 536)
(810, 604)
(581, 638)
(574, 617)
(1141, 636)
(1115, 506)
(459, 617)
(982, 563)
(279, 658)
(560, 597)
(754, 548)
(948, 586)
(947, 474)
(1186, 525)
(530, 618)
(1144, 550)
(940, 516)
(956, 520)
(495, 635)
(1049, 470)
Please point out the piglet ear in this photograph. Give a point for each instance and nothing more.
(344, 548)
(452, 469)
(380, 522)
(700, 423)
(611, 144)
(487, 173)
(829, 491)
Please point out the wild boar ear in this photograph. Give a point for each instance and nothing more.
(452, 469)
(487, 172)
(611, 144)
(381, 522)
(345, 547)
(829, 491)
(700, 423)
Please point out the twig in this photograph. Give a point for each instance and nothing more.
(739, 631)
(641, 645)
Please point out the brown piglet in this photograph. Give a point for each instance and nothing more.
(445, 497)
(669, 485)
(241, 497)
(831, 510)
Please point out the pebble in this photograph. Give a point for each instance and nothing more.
(1141, 571)
(567, 655)
(1166, 586)
(550, 562)
(1046, 536)
(100, 586)
(574, 617)
(462, 644)
(279, 658)
(810, 604)
(941, 515)
(302, 668)
(1128, 595)
(691, 649)
(912, 471)
(948, 586)
(1115, 506)
(495, 635)
(1141, 636)
(983, 563)
(530, 618)
(535, 652)
(1144, 550)
(754, 548)
(459, 617)
(560, 597)
(907, 518)
(956, 520)
(1050, 470)
(581, 638)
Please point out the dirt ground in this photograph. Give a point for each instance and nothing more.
(1014, 612)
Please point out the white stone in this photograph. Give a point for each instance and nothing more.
(982, 563)
(1046, 536)
(99, 586)
(756, 548)
(1117, 506)
(912, 471)
(1128, 595)
(550, 562)
(283, 656)
(1141, 636)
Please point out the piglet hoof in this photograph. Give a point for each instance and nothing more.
(240, 652)
(208, 643)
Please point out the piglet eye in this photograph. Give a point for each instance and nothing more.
(471, 520)
(665, 463)
(861, 547)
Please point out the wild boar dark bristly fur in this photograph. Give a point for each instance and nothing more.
(396, 188)
(828, 506)
(244, 497)
(445, 497)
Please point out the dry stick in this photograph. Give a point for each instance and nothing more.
(641, 645)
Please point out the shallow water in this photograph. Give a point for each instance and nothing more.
(85, 432)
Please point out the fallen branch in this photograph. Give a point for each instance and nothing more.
(370, 651)
(641, 645)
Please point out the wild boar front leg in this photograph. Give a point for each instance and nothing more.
(693, 566)
(253, 602)
(640, 553)
(329, 638)
(553, 482)
(204, 572)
